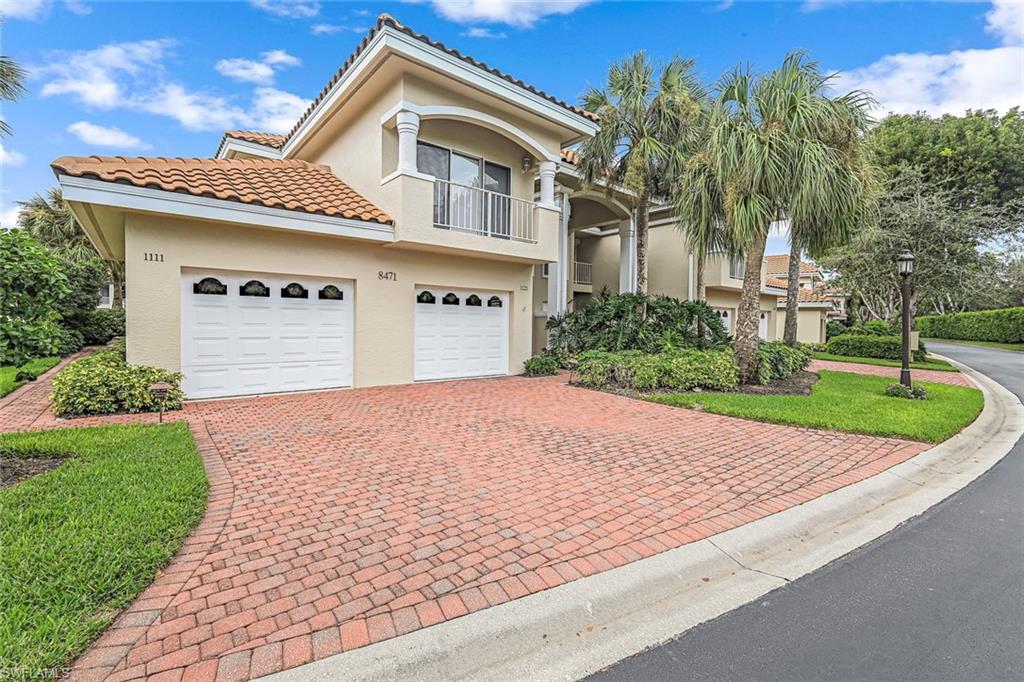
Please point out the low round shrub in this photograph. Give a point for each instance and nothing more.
(104, 383)
(682, 370)
(68, 341)
(910, 392)
(541, 366)
(102, 325)
(776, 360)
(870, 346)
(1005, 325)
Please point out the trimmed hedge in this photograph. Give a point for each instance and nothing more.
(1005, 325)
(541, 366)
(868, 346)
(776, 360)
(104, 383)
(682, 369)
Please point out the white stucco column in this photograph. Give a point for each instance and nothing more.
(547, 182)
(408, 125)
(558, 271)
(627, 256)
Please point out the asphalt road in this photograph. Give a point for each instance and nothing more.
(941, 597)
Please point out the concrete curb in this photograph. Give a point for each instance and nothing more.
(573, 630)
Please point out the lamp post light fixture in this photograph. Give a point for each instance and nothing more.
(159, 392)
(905, 266)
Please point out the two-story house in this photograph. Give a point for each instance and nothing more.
(420, 221)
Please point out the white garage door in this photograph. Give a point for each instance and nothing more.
(246, 333)
(460, 333)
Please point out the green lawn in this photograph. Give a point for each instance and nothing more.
(79, 542)
(930, 363)
(850, 402)
(1019, 347)
(36, 367)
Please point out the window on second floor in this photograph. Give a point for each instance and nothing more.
(737, 264)
(458, 200)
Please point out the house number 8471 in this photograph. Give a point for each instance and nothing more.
(389, 275)
(153, 257)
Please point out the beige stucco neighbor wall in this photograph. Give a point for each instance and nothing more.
(384, 310)
(810, 325)
(730, 300)
(667, 262)
(603, 254)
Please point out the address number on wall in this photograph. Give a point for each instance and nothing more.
(153, 257)
(388, 275)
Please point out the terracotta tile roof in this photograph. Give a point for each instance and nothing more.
(256, 137)
(779, 265)
(775, 282)
(287, 184)
(387, 20)
(570, 156)
(806, 296)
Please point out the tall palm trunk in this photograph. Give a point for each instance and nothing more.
(641, 244)
(116, 269)
(792, 293)
(702, 289)
(749, 314)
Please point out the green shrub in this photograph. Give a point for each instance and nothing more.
(835, 328)
(910, 392)
(1005, 325)
(69, 341)
(103, 383)
(875, 328)
(31, 285)
(776, 360)
(641, 322)
(102, 325)
(683, 369)
(541, 365)
(867, 346)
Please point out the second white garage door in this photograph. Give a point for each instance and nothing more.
(251, 333)
(460, 333)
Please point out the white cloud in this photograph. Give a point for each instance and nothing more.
(30, 10)
(1006, 20)
(291, 9)
(193, 110)
(103, 136)
(520, 13)
(276, 111)
(78, 7)
(324, 29)
(480, 32)
(280, 58)
(246, 70)
(93, 76)
(947, 83)
(9, 218)
(9, 157)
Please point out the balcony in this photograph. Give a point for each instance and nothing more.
(483, 212)
(582, 277)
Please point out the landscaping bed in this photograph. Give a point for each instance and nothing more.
(9, 376)
(930, 362)
(80, 541)
(842, 401)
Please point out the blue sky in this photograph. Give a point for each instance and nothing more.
(165, 78)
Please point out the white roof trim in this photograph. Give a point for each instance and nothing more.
(232, 144)
(807, 304)
(395, 41)
(149, 200)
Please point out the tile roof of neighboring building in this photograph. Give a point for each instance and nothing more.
(775, 282)
(806, 296)
(387, 20)
(570, 156)
(256, 137)
(779, 265)
(286, 184)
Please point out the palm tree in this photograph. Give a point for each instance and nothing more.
(770, 151)
(50, 220)
(645, 124)
(11, 78)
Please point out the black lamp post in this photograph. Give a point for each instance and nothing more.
(905, 266)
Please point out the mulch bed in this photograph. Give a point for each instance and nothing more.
(798, 383)
(17, 469)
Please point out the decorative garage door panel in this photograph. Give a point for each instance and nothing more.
(244, 333)
(460, 333)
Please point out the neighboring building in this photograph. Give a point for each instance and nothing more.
(106, 296)
(419, 222)
(818, 302)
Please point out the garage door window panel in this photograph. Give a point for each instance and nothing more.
(210, 286)
(254, 288)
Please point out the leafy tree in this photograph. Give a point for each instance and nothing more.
(977, 157)
(953, 270)
(646, 120)
(770, 154)
(50, 220)
(31, 285)
(11, 78)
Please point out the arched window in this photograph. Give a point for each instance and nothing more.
(331, 293)
(494, 302)
(425, 297)
(254, 288)
(210, 285)
(473, 301)
(450, 299)
(294, 290)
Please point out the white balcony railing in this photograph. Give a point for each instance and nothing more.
(583, 273)
(483, 212)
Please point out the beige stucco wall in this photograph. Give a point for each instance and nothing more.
(384, 310)
(603, 254)
(810, 325)
(730, 300)
(667, 262)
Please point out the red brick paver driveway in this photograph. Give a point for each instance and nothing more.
(343, 518)
(934, 375)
